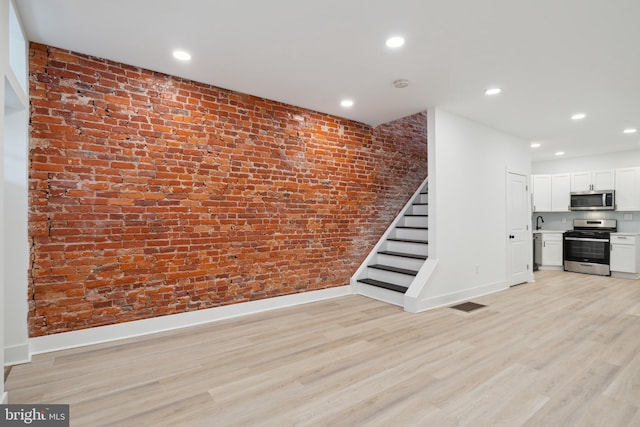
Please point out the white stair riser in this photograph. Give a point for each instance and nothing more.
(422, 198)
(381, 294)
(420, 209)
(389, 277)
(416, 221)
(410, 248)
(400, 262)
(412, 233)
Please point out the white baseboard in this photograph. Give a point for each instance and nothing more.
(620, 275)
(460, 296)
(16, 354)
(101, 334)
(5, 398)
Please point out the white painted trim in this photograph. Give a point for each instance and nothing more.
(23, 98)
(622, 275)
(465, 295)
(5, 398)
(101, 334)
(418, 286)
(16, 354)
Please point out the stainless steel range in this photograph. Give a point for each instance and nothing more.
(587, 247)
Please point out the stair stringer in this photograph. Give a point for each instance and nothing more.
(361, 272)
(413, 302)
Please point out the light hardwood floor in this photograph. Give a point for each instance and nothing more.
(563, 351)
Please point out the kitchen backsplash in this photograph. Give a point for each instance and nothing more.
(628, 222)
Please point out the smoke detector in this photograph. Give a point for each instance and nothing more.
(401, 83)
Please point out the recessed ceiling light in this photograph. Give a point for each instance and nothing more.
(346, 103)
(578, 116)
(493, 91)
(630, 130)
(181, 55)
(535, 144)
(395, 41)
(560, 153)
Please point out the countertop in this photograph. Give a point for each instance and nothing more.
(617, 233)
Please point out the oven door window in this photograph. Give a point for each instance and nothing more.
(589, 250)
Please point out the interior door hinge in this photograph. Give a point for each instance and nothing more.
(527, 266)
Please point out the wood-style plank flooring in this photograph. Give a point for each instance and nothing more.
(563, 351)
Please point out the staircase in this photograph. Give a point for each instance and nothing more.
(400, 255)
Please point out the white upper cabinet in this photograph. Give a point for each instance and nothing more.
(551, 192)
(628, 189)
(541, 190)
(603, 180)
(581, 181)
(560, 192)
(593, 180)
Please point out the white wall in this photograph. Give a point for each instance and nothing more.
(468, 165)
(17, 49)
(16, 244)
(620, 159)
(14, 247)
(4, 59)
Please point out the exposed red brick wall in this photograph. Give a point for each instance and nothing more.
(152, 195)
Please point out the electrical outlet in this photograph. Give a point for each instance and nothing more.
(564, 220)
(628, 217)
(477, 269)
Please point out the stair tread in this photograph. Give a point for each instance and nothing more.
(411, 228)
(385, 285)
(416, 215)
(394, 269)
(402, 254)
(408, 240)
(420, 204)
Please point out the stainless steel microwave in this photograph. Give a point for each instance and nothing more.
(593, 200)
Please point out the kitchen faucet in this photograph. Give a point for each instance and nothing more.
(538, 225)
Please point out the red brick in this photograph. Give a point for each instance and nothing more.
(152, 195)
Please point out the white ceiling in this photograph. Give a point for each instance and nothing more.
(552, 58)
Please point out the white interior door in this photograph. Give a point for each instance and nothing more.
(519, 244)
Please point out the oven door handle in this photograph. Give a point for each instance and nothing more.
(585, 239)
